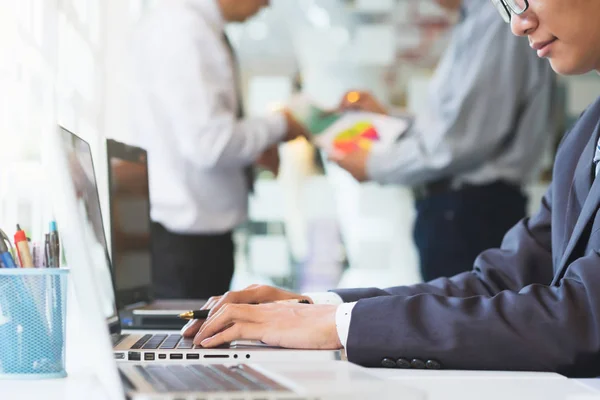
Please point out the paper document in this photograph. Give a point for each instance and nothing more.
(360, 130)
(318, 120)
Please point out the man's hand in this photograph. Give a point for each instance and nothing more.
(269, 160)
(361, 101)
(254, 294)
(354, 162)
(295, 128)
(294, 326)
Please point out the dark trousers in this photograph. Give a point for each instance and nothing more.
(191, 266)
(454, 227)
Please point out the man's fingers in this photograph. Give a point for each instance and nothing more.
(238, 331)
(191, 328)
(227, 298)
(254, 286)
(247, 296)
(224, 317)
(211, 302)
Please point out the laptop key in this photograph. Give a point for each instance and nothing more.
(240, 379)
(266, 383)
(141, 342)
(167, 381)
(191, 380)
(222, 383)
(155, 342)
(171, 342)
(117, 339)
(186, 344)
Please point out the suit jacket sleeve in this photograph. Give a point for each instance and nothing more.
(525, 258)
(502, 316)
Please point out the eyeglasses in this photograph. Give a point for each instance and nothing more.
(508, 7)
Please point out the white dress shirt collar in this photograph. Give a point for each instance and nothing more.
(211, 12)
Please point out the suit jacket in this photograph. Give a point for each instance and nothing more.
(533, 304)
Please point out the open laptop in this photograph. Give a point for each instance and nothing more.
(67, 161)
(140, 346)
(131, 243)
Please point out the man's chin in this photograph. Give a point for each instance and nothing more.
(568, 67)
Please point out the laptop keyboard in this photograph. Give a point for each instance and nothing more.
(207, 378)
(164, 342)
(116, 339)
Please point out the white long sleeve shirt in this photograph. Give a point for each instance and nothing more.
(185, 115)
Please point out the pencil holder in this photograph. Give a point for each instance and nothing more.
(32, 323)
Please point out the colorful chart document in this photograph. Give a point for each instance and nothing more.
(361, 130)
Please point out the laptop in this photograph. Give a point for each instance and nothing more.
(129, 199)
(147, 346)
(67, 160)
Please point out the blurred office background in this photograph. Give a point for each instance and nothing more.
(67, 61)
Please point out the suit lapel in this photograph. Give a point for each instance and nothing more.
(581, 190)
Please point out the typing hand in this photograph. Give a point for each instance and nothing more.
(361, 101)
(295, 326)
(254, 294)
(295, 128)
(269, 160)
(354, 162)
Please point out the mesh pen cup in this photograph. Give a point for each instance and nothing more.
(32, 323)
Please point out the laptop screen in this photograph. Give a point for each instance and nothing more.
(130, 222)
(81, 170)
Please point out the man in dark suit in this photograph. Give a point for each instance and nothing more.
(533, 304)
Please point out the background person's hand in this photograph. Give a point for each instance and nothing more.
(361, 101)
(354, 162)
(254, 294)
(269, 160)
(295, 129)
(294, 326)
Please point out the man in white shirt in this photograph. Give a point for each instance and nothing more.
(188, 115)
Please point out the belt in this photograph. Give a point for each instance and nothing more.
(433, 188)
(447, 185)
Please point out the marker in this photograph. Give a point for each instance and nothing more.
(23, 251)
(54, 246)
(5, 256)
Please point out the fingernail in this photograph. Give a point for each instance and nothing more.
(205, 342)
(186, 326)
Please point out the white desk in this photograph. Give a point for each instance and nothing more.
(477, 385)
(438, 385)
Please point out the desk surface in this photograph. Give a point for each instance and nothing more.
(438, 385)
(477, 385)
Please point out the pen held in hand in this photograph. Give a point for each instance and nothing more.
(203, 314)
(196, 314)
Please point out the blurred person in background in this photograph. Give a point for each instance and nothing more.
(531, 305)
(470, 153)
(188, 115)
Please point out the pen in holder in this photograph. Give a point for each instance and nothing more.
(32, 323)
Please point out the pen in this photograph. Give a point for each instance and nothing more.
(23, 248)
(54, 246)
(47, 251)
(203, 314)
(196, 314)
